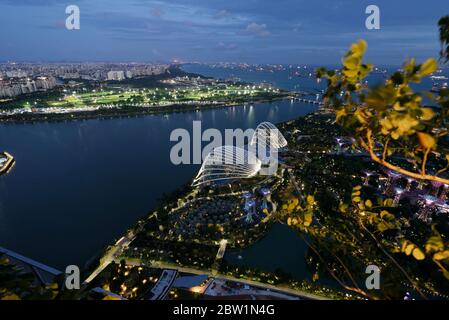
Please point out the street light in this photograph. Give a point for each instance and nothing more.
(397, 198)
(368, 174)
(409, 184)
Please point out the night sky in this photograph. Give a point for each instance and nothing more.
(253, 31)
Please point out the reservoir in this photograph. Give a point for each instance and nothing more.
(78, 185)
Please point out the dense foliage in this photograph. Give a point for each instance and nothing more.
(391, 120)
(403, 130)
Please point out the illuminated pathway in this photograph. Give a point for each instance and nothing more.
(298, 293)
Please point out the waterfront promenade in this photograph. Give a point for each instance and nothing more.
(268, 288)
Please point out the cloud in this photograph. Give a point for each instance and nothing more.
(227, 47)
(222, 14)
(157, 12)
(297, 27)
(213, 30)
(37, 3)
(259, 30)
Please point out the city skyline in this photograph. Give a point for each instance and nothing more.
(195, 30)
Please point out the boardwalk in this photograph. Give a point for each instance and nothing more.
(109, 257)
(281, 289)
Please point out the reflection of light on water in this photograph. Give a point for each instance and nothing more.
(232, 113)
(251, 115)
(214, 121)
(271, 113)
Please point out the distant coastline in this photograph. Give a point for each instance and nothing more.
(117, 112)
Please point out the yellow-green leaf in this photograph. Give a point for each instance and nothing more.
(10, 297)
(308, 218)
(343, 207)
(427, 114)
(384, 226)
(351, 62)
(340, 113)
(310, 200)
(426, 140)
(418, 254)
(434, 244)
(409, 249)
(441, 255)
(384, 213)
(350, 73)
(359, 48)
(404, 246)
(428, 67)
(109, 297)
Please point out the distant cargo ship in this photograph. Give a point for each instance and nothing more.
(437, 87)
(439, 82)
(438, 78)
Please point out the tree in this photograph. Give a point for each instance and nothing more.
(443, 24)
(402, 133)
(391, 121)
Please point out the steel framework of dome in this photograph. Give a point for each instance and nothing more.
(227, 163)
(231, 163)
(267, 135)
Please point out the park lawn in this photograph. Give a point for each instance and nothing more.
(150, 96)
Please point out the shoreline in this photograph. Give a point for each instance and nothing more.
(193, 108)
(137, 224)
(136, 229)
(119, 112)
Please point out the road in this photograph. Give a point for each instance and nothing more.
(126, 240)
(116, 250)
(220, 288)
(286, 290)
(292, 177)
(110, 256)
